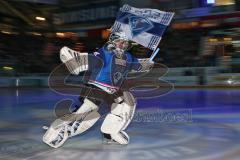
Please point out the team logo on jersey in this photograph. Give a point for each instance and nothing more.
(139, 25)
(116, 77)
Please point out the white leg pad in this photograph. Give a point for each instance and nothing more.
(112, 124)
(120, 117)
(79, 127)
(87, 106)
(55, 137)
(57, 133)
(70, 125)
(116, 120)
(88, 110)
(128, 97)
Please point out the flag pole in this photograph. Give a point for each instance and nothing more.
(154, 55)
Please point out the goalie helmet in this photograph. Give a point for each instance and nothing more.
(118, 35)
(118, 42)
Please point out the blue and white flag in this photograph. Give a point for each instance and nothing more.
(144, 26)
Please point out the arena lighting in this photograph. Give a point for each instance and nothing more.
(6, 32)
(210, 1)
(36, 34)
(227, 39)
(213, 40)
(40, 18)
(7, 68)
(230, 81)
(60, 34)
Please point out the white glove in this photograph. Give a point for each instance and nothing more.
(146, 64)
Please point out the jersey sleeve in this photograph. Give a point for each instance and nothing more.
(96, 63)
(97, 56)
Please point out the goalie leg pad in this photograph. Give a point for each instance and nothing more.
(87, 106)
(116, 121)
(58, 132)
(55, 138)
(79, 127)
(70, 125)
(88, 110)
(129, 99)
(119, 118)
(112, 124)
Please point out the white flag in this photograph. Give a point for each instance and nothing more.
(144, 26)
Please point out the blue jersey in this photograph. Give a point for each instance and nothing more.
(114, 69)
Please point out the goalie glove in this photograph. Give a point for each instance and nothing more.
(146, 65)
(76, 62)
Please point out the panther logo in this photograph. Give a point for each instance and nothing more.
(139, 25)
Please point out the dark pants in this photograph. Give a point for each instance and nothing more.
(97, 98)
